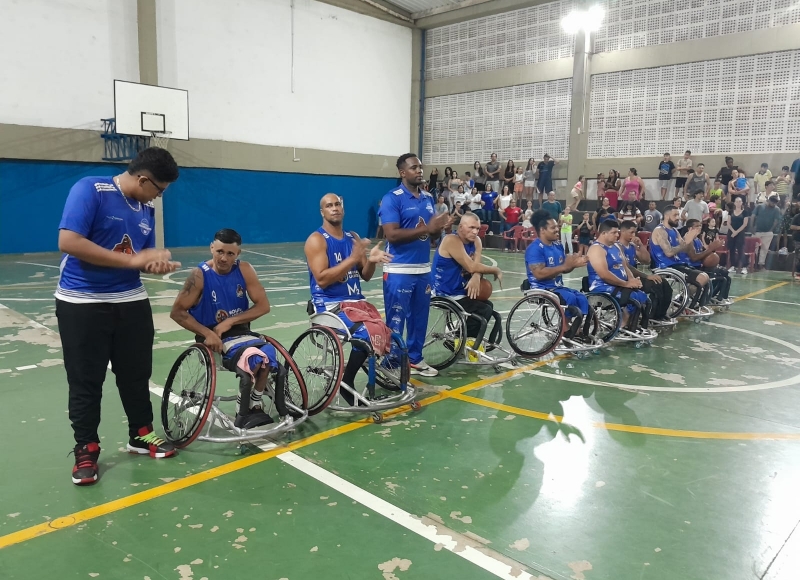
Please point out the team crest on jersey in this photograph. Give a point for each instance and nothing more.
(125, 246)
(144, 225)
(220, 316)
(421, 221)
(239, 291)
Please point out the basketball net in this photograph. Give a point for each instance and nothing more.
(160, 138)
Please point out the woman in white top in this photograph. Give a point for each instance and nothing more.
(476, 203)
(529, 181)
(505, 198)
(455, 183)
(459, 196)
(526, 217)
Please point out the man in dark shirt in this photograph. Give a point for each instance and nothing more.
(665, 169)
(724, 174)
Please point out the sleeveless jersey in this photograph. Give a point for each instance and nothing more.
(630, 254)
(615, 266)
(660, 259)
(551, 255)
(698, 247)
(696, 183)
(223, 296)
(448, 277)
(349, 287)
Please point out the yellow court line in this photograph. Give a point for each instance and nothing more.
(183, 483)
(748, 315)
(762, 291)
(634, 428)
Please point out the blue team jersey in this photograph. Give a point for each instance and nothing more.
(630, 254)
(551, 255)
(403, 208)
(660, 259)
(349, 287)
(615, 264)
(448, 278)
(698, 247)
(96, 209)
(223, 296)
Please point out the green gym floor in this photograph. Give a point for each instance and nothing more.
(678, 461)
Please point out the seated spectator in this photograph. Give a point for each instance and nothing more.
(652, 217)
(526, 218)
(695, 208)
(585, 231)
(441, 206)
(630, 212)
(716, 190)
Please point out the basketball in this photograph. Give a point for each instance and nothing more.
(486, 290)
(711, 261)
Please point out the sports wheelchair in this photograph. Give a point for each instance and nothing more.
(609, 312)
(537, 325)
(190, 404)
(446, 337)
(320, 354)
(681, 296)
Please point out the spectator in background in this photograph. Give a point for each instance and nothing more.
(760, 179)
(504, 200)
(684, 165)
(726, 174)
(611, 189)
(652, 217)
(519, 185)
(444, 184)
(526, 217)
(665, 170)
(733, 190)
(479, 176)
(529, 183)
(738, 218)
(767, 218)
(453, 186)
(677, 202)
(585, 230)
(605, 206)
(476, 203)
(457, 214)
(577, 194)
(695, 209)
(565, 221)
(433, 180)
(712, 205)
(697, 180)
(488, 198)
(508, 175)
(469, 183)
(545, 182)
(632, 187)
(460, 196)
(630, 212)
(441, 206)
(601, 187)
(783, 184)
(551, 206)
(795, 171)
(722, 219)
(492, 172)
(786, 229)
(716, 189)
(510, 215)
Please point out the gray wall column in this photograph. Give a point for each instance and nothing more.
(148, 74)
(579, 109)
(417, 66)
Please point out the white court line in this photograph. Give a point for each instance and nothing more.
(28, 299)
(405, 519)
(291, 260)
(774, 301)
(26, 367)
(42, 265)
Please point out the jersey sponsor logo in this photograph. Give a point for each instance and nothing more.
(101, 187)
(398, 192)
(354, 289)
(429, 207)
(114, 218)
(125, 246)
(220, 316)
(239, 291)
(144, 225)
(421, 222)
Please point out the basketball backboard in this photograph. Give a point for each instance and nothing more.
(146, 109)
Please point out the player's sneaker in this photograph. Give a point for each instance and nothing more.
(85, 470)
(744, 271)
(148, 443)
(423, 369)
(731, 270)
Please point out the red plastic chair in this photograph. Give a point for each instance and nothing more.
(527, 236)
(482, 231)
(751, 246)
(513, 237)
(644, 237)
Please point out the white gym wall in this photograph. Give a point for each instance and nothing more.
(59, 58)
(351, 76)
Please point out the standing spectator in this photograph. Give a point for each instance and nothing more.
(433, 180)
(476, 203)
(529, 182)
(697, 180)
(767, 218)
(526, 218)
(738, 219)
(565, 221)
(611, 189)
(652, 217)
(717, 189)
(695, 209)
(795, 229)
(725, 174)
(519, 185)
(479, 176)
(724, 214)
(632, 187)
(102, 307)
(677, 202)
(508, 175)
(441, 206)
(783, 184)
(584, 234)
(444, 186)
(504, 200)
(551, 206)
(630, 212)
(786, 230)
(545, 181)
(605, 206)
(468, 182)
(684, 165)
(453, 186)
(488, 198)
(577, 194)
(510, 215)
(601, 187)
(492, 172)
(665, 170)
(738, 186)
(460, 196)
(762, 176)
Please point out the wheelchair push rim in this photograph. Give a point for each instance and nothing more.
(535, 314)
(318, 354)
(447, 329)
(188, 395)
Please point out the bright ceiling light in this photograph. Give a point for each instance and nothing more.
(586, 20)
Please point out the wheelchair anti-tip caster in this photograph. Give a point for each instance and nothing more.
(639, 344)
(415, 406)
(377, 417)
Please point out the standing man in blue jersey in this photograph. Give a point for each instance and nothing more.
(107, 234)
(337, 261)
(214, 303)
(609, 273)
(409, 224)
(545, 262)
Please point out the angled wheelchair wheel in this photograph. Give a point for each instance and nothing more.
(680, 292)
(289, 386)
(535, 325)
(609, 315)
(392, 372)
(446, 335)
(319, 357)
(188, 395)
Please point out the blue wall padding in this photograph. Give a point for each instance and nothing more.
(265, 207)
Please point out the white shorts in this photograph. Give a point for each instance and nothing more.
(531, 183)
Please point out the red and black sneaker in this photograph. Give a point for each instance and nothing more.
(85, 470)
(148, 443)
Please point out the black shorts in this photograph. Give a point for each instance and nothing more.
(680, 182)
(690, 273)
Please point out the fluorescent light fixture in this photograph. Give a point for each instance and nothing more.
(586, 20)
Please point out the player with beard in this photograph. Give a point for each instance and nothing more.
(658, 289)
(666, 247)
(705, 258)
(409, 224)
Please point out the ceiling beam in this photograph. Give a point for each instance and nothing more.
(379, 9)
(470, 9)
(446, 8)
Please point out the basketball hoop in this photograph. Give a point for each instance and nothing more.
(160, 138)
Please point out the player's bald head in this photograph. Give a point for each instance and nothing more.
(329, 198)
(331, 207)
